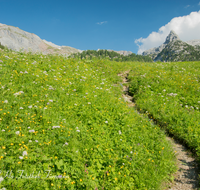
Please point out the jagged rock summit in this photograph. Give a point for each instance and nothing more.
(173, 49)
(155, 51)
(171, 37)
(17, 39)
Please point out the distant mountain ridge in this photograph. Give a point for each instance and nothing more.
(173, 49)
(17, 39)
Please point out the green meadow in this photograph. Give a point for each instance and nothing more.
(65, 125)
(170, 94)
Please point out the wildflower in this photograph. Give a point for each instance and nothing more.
(21, 108)
(131, 152)
(120, 132)
(1, 179)
(65, 144)
(55, 127)
(30, 141)
(36, 140)
(32, 131)
(78, 130)
(89, 102)
(106, 121)
(17, 132)
(25, 153)
(21, 157)
(50, 100)
(30, 106)
(3, 130)
(5, 101)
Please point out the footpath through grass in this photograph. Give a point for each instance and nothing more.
(64, 125)
(170, 94)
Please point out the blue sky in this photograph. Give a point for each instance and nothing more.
(101, 24)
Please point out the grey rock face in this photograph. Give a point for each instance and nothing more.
(122, 52)
(194, 42)
(173, 49)
(171, 37)
(17, 39)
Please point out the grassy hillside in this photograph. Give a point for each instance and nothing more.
(170, 94)
(64, 125)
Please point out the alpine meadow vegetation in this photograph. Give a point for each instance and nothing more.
(65, 125)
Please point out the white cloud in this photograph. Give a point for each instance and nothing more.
(100, 23)
(187, 6)
(199, 3)
(186, 27)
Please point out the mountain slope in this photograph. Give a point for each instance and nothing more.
(173, 49)
(17, 39)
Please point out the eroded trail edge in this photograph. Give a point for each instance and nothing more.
(186, 178)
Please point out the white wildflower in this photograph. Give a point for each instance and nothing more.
(65, 144)
(1, 179)
(32, 131)
(21, 157)
(89, 102)
(120, 132)
(55, 127)
(50, 100)
(3, 130)
(30, 106)
(25, 153)
(21, 108)
(78, 130)
(5, 101)
(17, 132)
(106, 121)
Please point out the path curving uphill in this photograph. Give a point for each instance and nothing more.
(186, 178)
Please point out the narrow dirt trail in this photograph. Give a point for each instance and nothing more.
(186, 178)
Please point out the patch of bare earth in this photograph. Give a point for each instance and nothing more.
(186, 178)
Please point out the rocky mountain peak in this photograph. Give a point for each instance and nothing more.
(171, 37)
